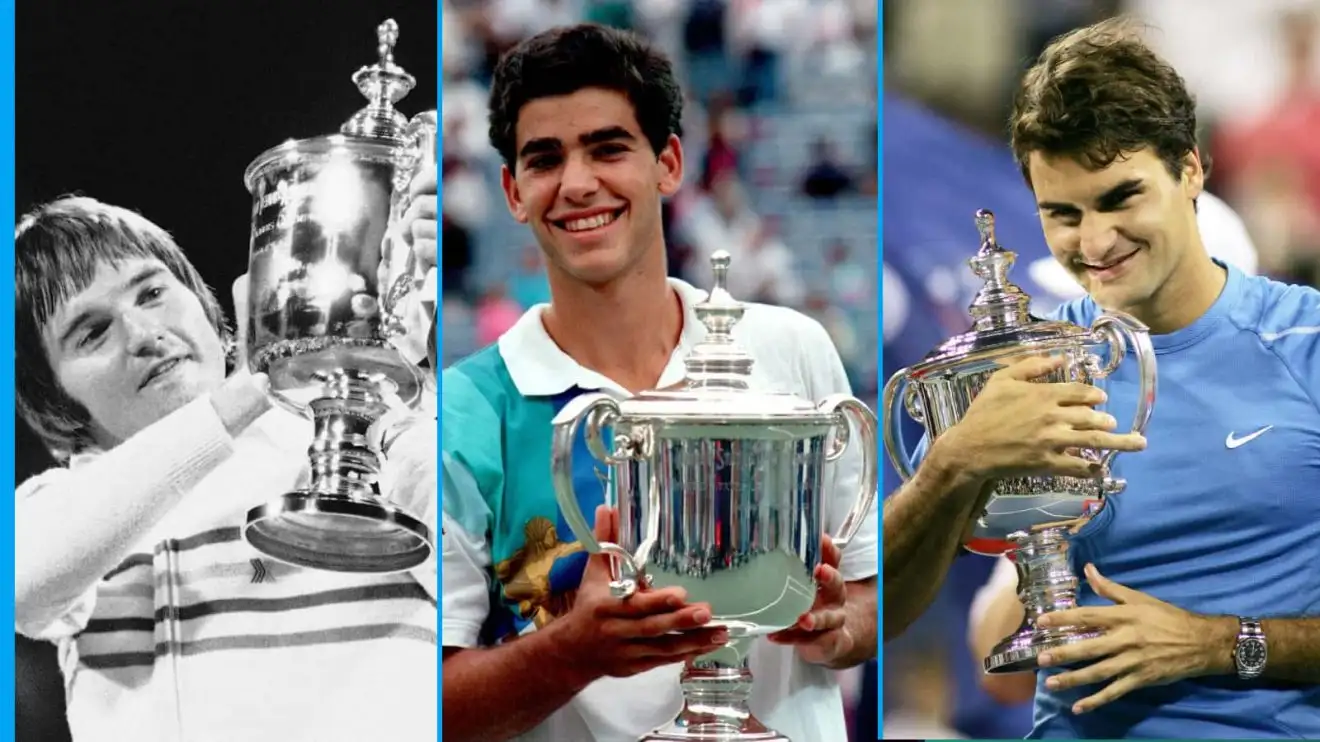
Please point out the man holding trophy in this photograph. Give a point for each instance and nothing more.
(1197, 617)
(132, 556)
(547, 638)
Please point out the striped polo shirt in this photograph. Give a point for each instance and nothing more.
(196, 637)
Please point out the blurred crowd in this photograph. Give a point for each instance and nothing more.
(779, 141)
(950, 69)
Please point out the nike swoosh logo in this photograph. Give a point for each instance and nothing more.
(1232, 442)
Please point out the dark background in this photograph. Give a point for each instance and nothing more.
(159, 107)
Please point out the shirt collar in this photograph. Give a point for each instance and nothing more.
(539, 368)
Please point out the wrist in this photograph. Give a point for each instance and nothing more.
(1220, 640)
(949, 468)
(560, 652)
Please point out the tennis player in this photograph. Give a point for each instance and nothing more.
(128, 555)
(587, 121)
(1201, 574)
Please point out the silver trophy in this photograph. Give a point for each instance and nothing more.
(1028, 516)
(327, 283)
(719, 492)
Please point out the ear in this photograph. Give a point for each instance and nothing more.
(1193, 174)
(511, 196)
(670, 164)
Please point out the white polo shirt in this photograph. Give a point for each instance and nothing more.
(497, 407)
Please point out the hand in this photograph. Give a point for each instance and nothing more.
(613, 637)
(1145, 642)
(239, 291)
(419, 225)
(821, 635)
(244, 396)
(1017, 427)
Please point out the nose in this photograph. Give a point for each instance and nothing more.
(144, 332)
(578, 182)
(1097, 236)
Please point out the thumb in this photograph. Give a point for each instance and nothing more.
(604, 531)
(1110, 590)
(239, 291)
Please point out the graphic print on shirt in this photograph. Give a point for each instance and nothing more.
(541, 577)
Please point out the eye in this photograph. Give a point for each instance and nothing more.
(1068, 217)
(92, 335)
(543, 162)
(610, 150)
(150, 294)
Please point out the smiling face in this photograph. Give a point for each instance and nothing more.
(132, 347)
(1123, 231)
(588, 184)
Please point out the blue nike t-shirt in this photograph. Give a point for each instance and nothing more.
(1221, 514)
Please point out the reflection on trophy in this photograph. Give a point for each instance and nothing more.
(1028, 516)
(327, 290)
(719, 490)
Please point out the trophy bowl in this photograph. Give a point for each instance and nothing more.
(719, 491)
(1029, 518)
(324, 323)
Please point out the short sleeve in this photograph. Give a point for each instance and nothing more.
(826, 376)
(465, 551)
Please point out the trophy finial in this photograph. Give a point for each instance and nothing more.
(383, 84)
(718, 361)
(1000, 303)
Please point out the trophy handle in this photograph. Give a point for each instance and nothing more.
(1121, 331)
(597, 412)
(851, 411)
(896, 392)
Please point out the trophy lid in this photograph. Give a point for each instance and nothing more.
(717, 388)
(1001, 317)
(383, 84)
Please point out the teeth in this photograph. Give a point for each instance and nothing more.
(594, 222)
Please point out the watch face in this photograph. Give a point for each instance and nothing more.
(1251, 653)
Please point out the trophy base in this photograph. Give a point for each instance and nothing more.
(690, 727)
(1018, 652)
(338, 533)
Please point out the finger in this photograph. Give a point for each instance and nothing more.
(687, 618)
(830, 553)
(1080, 417)
(1104, 645)
(423, 183)
(831, 590)
(645, 603)
(1077, 394)
(1092, 674)
(1090, 617)
(427, 253)
(1071, 466)
(1031, 368)
(1066, 437)
(1107, 588)
(674, 645)
(604, 529)
(820, 621)
(1110, 693)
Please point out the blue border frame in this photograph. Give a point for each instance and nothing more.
(7, 340)
(880, 346)
(440, 344)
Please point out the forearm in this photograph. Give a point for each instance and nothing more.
(1293, 646)
(493, 695)
(860, 621)
(924, 525)
(72, 532)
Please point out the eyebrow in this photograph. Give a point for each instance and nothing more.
(83, 317)
(597, 136)
(1106, 199)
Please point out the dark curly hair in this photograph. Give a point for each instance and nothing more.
(563, 60)
(1098, 93)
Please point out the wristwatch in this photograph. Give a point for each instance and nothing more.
(1251, 652)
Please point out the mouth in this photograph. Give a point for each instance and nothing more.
(585, 225)
(1109, 269)
(161, 369)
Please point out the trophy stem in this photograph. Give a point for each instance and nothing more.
(716, 696)
(337, 522)
(1046, 584)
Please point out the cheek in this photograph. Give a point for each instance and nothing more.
(94, 383)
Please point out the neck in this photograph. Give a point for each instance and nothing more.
(625, 330)
(1189, 293)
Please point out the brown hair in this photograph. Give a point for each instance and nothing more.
(1098, 93)
(58, 248)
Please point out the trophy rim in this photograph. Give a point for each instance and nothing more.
(951, 355)
(301, 151)
(406, 526)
